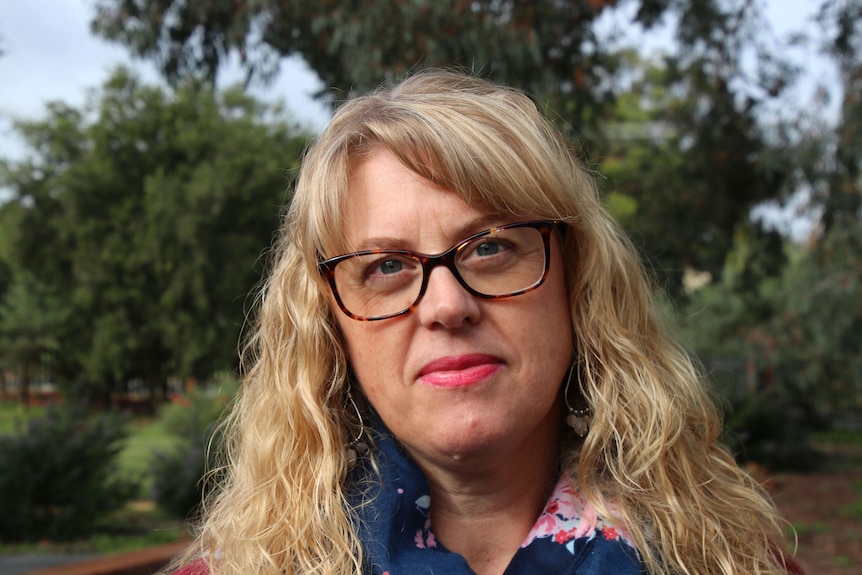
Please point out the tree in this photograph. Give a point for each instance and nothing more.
(817, 331)
(547, 47)
(553, 49)
(681, 137)
(30, 319)
(683, 164)
(690, 198)
(842, 200)
(153, 216)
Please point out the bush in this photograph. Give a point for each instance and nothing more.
(178, 485)
(196, 411)
(58, 475)
(766, 428)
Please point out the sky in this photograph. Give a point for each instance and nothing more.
(50, 55)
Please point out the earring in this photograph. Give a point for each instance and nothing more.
(577, 419)
(356, 447)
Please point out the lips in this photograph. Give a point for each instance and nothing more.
(459, 371)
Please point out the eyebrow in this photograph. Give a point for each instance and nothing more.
(464, 231)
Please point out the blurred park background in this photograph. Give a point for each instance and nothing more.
(135, 218)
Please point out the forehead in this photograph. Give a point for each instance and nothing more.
(387, 203)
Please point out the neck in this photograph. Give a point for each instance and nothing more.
(502, 496)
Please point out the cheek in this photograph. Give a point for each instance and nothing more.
(555, 311)
(375, 352)
(553, 342)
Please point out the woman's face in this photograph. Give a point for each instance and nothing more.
(458, 377)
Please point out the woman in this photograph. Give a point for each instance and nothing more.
(510, 403)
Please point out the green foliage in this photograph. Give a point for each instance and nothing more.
(678, 138)
(136, 526)
(838, 184)
(688, 159)
(817, 333)
(146, 436)
(31, 317)
(145, 213)
(178, 474)
(794, 341)
(58, 476)
(766, 428)
(178, 485)
(194, 412)
(549, 48)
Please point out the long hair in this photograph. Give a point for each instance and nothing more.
(652, 459)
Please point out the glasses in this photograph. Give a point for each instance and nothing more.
(499, 262)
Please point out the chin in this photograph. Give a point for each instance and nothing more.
(475, 440)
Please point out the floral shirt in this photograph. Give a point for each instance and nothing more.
(568, 538)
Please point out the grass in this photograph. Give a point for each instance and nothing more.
(841, 449)
(840, 437)
(12, 414)
(137, 526)
(854, 510)
(799, 528)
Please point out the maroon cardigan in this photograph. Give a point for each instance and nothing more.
(199, 566)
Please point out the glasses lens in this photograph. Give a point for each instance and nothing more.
(504, 262)
(500, 263)
(381, 284)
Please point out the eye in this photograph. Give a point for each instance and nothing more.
(488, 254)
(389, 267)
(386, 267)
(488, 248)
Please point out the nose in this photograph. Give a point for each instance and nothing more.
(446, 303)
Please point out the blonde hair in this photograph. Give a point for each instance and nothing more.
(652, 458)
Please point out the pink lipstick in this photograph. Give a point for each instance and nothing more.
(460, 370)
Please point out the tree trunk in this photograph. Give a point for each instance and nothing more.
(24, 384)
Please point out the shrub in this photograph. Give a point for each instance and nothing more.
(178, 485)
(194, 412)
(58, 475)
(766, 428)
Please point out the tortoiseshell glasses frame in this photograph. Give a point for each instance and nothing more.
(499, 262)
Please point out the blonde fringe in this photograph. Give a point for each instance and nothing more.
(652, 460)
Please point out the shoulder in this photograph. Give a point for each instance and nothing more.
(791, 567)
(196, 567)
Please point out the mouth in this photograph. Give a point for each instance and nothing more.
(459, 371)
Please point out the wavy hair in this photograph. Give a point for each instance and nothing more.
(652, 459)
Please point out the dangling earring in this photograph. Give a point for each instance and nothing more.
(577, 419)
(356, 447)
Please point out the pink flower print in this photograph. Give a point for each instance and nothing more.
(546, 525)
(589, 521)
(621, 530)
(564, 502)
(610, 533)
(424, 538)
(563, 537)
(561, 517)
